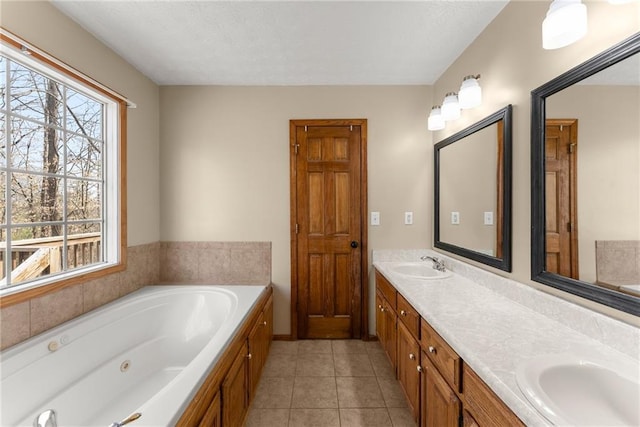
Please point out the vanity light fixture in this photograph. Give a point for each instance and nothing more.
(565, 23)
(470, 94)
(450, 107)
(436, 121)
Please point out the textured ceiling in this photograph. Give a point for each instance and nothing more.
(180, 42)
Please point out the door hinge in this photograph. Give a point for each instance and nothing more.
(295, 148)
(297, 228)
(561, 127)
(572, 147)
(351, 128)
(305, 128)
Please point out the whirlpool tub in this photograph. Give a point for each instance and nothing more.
(148, 352)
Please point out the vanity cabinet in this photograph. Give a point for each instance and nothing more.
(409, 368)
(441, 390)
(483, 405)
(224, 398)
(441, 405)
(386, 318)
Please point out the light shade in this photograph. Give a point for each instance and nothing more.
(450, 107)
(566, 23)
(436, 121)
(470, 94)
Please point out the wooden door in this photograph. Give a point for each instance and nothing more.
(441, 406)
(561, 226)
(328, 237)
(408, 374)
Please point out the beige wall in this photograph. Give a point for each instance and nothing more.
(608, 165)
(225, 165)
(510, 57)
(42, 25)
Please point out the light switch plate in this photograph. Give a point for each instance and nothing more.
(455, 218)
(408, 218)
(375, 218)
(488, 218)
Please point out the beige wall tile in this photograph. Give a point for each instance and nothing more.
(101, 291)
(15, 324)
(53, 309)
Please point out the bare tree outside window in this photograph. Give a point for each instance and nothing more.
(51, 175)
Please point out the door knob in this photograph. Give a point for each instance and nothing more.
(354, 244)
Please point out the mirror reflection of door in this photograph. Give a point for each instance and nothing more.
(561, 147)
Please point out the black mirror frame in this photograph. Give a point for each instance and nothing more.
(503, 263)
(611, 298)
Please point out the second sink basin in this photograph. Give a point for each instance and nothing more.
(572, 390)
(419, 270)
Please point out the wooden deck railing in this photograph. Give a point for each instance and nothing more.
(35, 257)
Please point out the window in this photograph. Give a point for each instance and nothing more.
(60, 183)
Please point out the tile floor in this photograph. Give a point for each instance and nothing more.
(323, 383)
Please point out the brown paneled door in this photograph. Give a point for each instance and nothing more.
(328, 198)
(561, 225)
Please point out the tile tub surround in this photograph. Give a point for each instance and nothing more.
(339, 383)
(247, 263)
(21, 321)
(495, 323)
(216, 263)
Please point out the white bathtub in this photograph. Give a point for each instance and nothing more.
(148, 352)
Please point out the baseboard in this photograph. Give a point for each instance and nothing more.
(283, 338)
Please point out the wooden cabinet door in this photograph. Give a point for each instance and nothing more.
(256, 354)
(380, 324)
(235, 399)
(467, 420)
(212, 416)
(390, 330)
(408, 374)
(259, 341)
(441, 406)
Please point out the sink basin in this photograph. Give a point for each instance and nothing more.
(419, 270)
(571, 390)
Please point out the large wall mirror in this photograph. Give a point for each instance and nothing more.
(472, 194)
(585, 183)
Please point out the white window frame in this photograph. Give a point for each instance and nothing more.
(113, 238)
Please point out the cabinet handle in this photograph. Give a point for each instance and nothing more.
(412, 356)
(382, 309)
(404, 313)
(419, 368)
(264, 323)
(432, 349)
(249, 356)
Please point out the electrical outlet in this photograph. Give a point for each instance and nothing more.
(375, 218)
(408, 218)
(455, 218)
(488, 218)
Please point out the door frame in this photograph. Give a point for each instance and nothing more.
(293, 213)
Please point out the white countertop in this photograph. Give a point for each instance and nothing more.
(492, 332)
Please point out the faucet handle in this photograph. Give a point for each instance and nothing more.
(127, 420)
(46, 419)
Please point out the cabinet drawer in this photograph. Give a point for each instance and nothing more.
(486, 408)
(387, 290)
(409, 316)
(443, 357)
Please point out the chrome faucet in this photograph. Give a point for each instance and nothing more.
(46, 419)
(438, 264)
